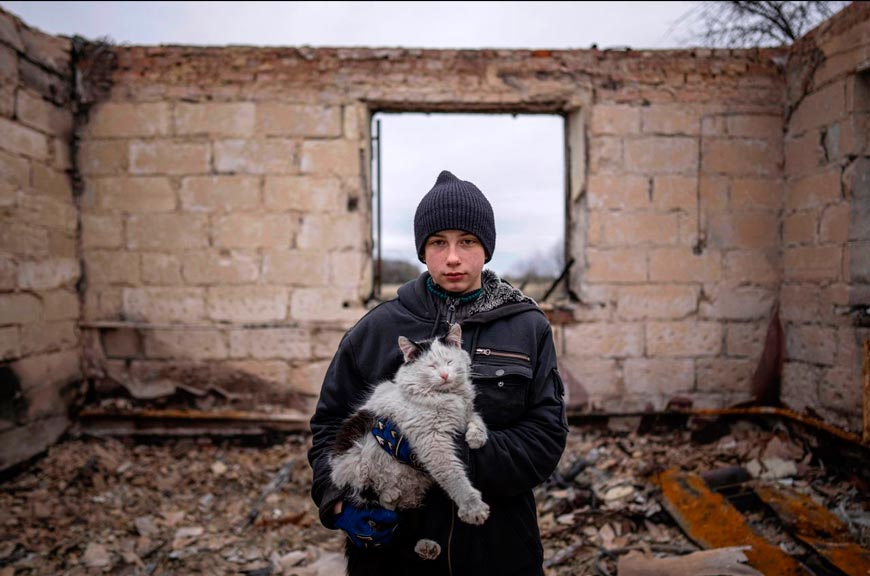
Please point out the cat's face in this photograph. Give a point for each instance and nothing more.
(435, 366)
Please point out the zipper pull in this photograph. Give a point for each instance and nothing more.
(483, 351)
(451, 310)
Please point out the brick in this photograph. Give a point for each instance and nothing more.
(14, 170)
(140, 195)
(812, 344)
(167, 231)
(800, 389)
(325, 305)
(45, 401)
(675, 193)
(8, 66)
(819, 108)
(752, 266)
(48, 274)
(296, 267)
(47, 211)
(271, 343)
(215, 119)
(813, 191)
(42, 115)
(681, 264)
(325, 342)
(714, 126)
(746, 339)
(634, 228)
(50, 51)
(128, 120)
(800, 303)
(618, 192)
(24, 240)
(171, 305)
(7, 95)
(744, 230)
(736, 302)
(102, 231)
(19, 139)
(185, 344)
(112, 267)
(615, 266)
(756, 193)
(280, 119)
(122, 343)
(804, 154)
(220, 193)
(741, 157)
(43, 337)
(605, 155)
(350, 270)
(60, 305)
(247, 304)
(304, 194)
(52, 183)
(102, 157)
(18, 308)
(272, 371)
(331, 232)
(62, 154)
(253, 230)
(647, 377)
(670, 120)
(714, 194)
(167, 157)
(800, 228)
(55, 369)
(725, 375)
(355, 119)
(660, 155)
(812, 263)
(307, 378)
(604, 340)
(756, 126)
(683, 339)
(272, 156)
(663, 301)
(840, 390)
(10, 343)
(588, 380)
(858, 265)
(161, 269)
(331, 157)
(615, 119)
(10, 35)
(62, 244)
(8, 274)
(49, 85)
(104, 303)
(217, 267)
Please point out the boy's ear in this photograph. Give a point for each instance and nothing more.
(409, 349)
(454, 335)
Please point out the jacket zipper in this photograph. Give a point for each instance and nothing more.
(491, 352)
(451, 310)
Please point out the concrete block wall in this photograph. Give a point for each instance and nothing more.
(222, 230)
(826, 218)
(40, 343)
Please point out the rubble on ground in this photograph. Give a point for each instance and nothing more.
(200, 505)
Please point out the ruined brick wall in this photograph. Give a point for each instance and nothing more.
(826, 218)
(40, 346)
(226, 212)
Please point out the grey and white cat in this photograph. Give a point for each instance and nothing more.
(430, 399)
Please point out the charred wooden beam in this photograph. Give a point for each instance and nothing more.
(100, 422)
(712, 522)
(815, 526)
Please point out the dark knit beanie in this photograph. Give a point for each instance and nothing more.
(453, 204)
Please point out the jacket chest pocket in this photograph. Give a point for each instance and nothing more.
(501, 380)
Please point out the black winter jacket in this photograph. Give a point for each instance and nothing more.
(519, 396)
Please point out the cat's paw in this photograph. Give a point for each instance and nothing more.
(474, 511)
(476, 437)
(427, 549)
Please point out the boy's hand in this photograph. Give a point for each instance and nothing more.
(367, 527)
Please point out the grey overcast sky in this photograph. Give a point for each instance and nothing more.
(516, 161)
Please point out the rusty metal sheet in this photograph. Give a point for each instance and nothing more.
(711, 521)
(817, 527)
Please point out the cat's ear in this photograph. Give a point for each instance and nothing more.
(454, 335)
(409, 349)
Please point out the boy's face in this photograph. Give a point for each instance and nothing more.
(455, 260)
